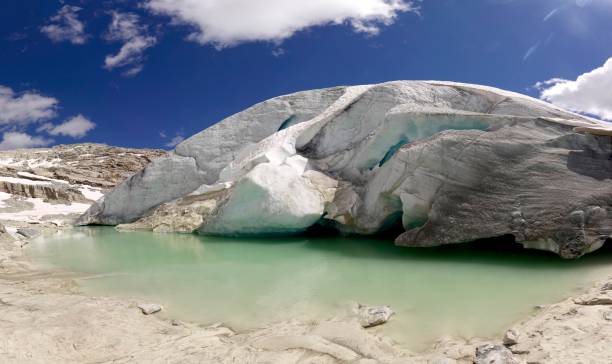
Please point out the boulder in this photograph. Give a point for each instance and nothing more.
(495, 354)
(28, 233)
(149, 308)
(370, 316)
(511, 337)
(593, 300)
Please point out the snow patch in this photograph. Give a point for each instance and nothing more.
(3, 197)
(30, 163)
(37, 177)
(24, 181)
(41, 209)
(91, 193)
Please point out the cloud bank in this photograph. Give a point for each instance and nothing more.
(25, 108)
(18, 111)
(590, 93)
(66, 26)
(225, 23)
(75, 127)
(16, 140)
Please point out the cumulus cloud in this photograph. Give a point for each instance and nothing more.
(125, 28)
(75, 127)
(66, 26)
(590, 93)
(19, 111)
(15, 140)
(227, 23)
(25, 108)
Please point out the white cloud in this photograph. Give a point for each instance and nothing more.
(278, 52)
(552, 13)
(25, 108)
(229, 22)
(125, 28)
(15, 140)
(531, 51)
(175, 141)
(590, 93)
(66, 26)
(18, 111)
(75, 127)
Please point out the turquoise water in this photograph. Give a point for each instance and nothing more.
(461, 290)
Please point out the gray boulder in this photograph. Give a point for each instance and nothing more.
(495, 354)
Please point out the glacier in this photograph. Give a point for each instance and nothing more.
(445, 162)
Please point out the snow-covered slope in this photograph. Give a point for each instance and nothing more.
(448, 162)
(60, 183)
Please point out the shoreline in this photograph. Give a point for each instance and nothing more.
(49, 319)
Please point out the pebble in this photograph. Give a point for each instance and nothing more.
(149, 308)
(370, 316)
(511, 337)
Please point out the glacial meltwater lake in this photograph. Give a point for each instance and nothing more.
(466, 290)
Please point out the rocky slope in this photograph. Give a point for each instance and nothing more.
(447, 162)
(61, 182)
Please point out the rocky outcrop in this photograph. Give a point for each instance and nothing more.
(447, 162)
(89, 164)
(60, 183)
(184, 215)
(47, 191)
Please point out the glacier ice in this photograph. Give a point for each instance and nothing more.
(270, 199)
(449, 162)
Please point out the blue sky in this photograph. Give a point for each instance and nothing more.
(140, 73)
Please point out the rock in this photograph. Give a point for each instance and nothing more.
(607, 315)
(370, 316)
(219, 331)
(494, 354)
(184, 215)
(442, 361)
(352, 336)
(89, 164)
(149, 308)
(60, 183)
(607, 286)
(48, 191)
(309, 342)
(521, 348)
(593, 300)
(28, 233)
(511, 337)
(447, 162)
